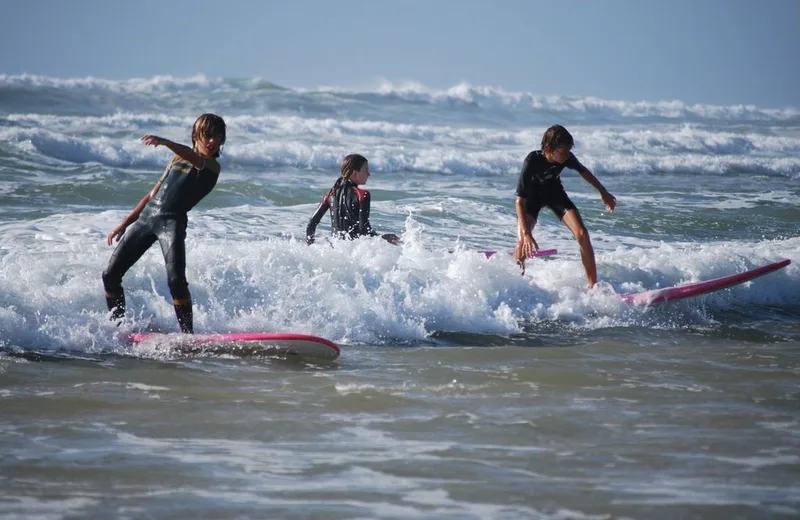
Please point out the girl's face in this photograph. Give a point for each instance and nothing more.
(360, 176)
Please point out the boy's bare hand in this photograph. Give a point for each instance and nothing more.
(117, 233)
(609, 200)
(152, 140)
(526, 247)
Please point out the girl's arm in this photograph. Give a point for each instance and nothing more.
(311, 227)
(366, 228)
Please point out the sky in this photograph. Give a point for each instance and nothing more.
(718, 52)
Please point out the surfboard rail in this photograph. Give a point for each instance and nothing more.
(272, 343)
(679, 292)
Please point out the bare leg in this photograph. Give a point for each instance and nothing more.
(575, 224)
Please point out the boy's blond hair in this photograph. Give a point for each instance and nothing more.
(210, 125)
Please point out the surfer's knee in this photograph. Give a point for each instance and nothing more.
(575, 224)
(582, 235)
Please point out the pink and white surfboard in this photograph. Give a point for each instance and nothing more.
(680, 292)
(541, 252)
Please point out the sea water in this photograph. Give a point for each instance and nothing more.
(464, 390)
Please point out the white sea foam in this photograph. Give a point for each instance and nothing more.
(277, 141)
(496, 97)
(491, 98)
(352, 292)
(137, 85)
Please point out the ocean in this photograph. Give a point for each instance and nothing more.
(464, 390)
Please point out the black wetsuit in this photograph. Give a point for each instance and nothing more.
(349, 208)
(540, 184)
(164, 218)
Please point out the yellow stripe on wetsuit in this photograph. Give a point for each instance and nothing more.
(181, 165)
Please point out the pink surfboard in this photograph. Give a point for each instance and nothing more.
(244, 344)
(541, 252)
(680, 292)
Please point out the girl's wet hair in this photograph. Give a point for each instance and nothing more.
(351, 163)
(210, 125)
(557, 137)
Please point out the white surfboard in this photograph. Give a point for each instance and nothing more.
(244, 344)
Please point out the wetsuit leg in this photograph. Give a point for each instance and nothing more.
(135, 241)
(559, 202)
(172, 237)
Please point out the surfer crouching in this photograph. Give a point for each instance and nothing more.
(540, 186)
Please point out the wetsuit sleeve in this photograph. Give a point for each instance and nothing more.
(316, 217)
(364, 227)
(574, 164)
(525, 176)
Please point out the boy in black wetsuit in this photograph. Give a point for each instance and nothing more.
(162, 215)
(540, 186)
(348, 204)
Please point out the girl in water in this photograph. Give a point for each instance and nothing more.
(348, 204)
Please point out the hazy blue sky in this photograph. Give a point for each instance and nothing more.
(699, 51)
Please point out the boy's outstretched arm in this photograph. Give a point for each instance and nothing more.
(608, 199)
(184, 152)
